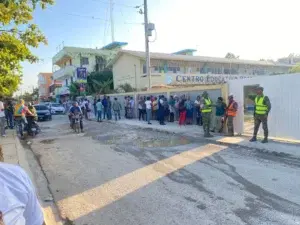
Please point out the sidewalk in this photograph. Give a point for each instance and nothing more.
(14, 153)
(273, 147)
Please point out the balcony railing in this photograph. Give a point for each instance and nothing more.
(64, 73)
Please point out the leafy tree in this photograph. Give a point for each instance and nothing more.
(74, 89)
(17, 35)
(230, 55)
(100, 82)
(30, 96)
(295, 69)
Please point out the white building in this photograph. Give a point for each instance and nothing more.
(183, 68)
(67, 60)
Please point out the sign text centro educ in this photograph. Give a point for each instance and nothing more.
(202, 79)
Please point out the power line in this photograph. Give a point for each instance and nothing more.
(119, 4)
(92, 17)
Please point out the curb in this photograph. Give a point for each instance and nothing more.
(229, 144)
(51, 215)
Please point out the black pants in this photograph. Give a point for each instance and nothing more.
(172, 117)
(30, 120)
(126, 115)
(141, 114)
(199, 118)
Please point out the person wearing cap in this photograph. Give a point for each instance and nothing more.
(206, 110)
(231, 112)
(261, 112)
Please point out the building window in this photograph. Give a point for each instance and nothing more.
(226, 71)
(42, 79)
(173, 69)
(84, 61)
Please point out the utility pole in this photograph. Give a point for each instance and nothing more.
(112, 26)
(148, 73)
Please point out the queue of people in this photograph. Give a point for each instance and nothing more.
(182, 109)
(185, 111)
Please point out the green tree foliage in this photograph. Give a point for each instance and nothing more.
(230, 55)
(100, 82)
(17, 35)
(295, 69)
(74, 89)
(30, 96)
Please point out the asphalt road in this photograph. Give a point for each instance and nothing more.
(117, 174)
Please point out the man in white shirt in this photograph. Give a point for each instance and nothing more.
(18, 202)
(148, 109)
(2, 118)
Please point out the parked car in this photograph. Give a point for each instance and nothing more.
(43, 112)
(57, 108)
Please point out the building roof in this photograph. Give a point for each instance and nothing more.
(71, 51)
(114, 45)
(185, 52)
(190, 58)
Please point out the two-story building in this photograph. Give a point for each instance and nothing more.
(44, 82)
(183, 68)
(67, 61)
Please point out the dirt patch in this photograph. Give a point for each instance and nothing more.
(47, 141)
(1, 155)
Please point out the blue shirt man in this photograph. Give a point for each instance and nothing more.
(75, 109)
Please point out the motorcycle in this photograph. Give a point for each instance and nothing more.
(76, 123)
(35, 129)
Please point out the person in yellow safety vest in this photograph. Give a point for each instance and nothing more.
(20, 114)
(261, 112)
(206, 110)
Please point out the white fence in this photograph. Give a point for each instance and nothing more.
(284, 93)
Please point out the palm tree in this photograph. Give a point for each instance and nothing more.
(102, 87)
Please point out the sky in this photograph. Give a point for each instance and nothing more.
(251, 29)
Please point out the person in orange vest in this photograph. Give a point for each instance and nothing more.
(231, 112)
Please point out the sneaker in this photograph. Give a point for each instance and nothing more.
(265, 140)
(253, 139)
(149, 123)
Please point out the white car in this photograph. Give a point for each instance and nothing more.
(57, 108)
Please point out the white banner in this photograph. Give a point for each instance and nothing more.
(202, 78)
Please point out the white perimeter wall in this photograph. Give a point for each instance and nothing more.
(284, 94)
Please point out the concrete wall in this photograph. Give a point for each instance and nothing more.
(125, 72)
(214, 91)
(283, 91)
